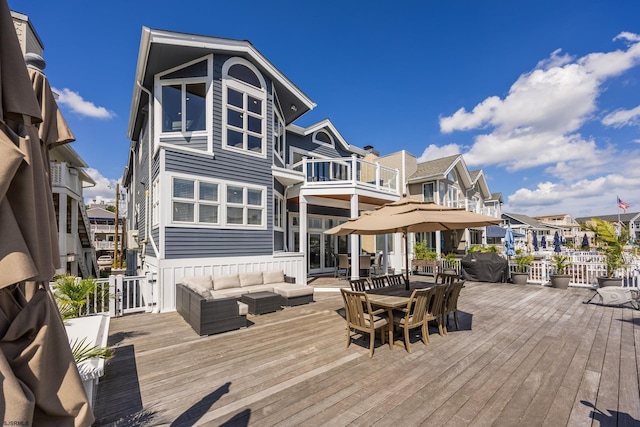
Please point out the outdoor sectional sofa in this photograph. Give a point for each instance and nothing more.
(211, 304)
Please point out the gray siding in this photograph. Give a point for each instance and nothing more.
(202, 243)
(226, 165)
(196, 143)
(306, 143)
(277, 186)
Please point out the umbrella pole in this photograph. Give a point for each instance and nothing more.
(406, 259)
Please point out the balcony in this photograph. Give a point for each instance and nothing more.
(349, 171)
(65, 177)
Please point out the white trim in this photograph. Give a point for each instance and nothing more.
(158, 83)
(283, 211)
(246, 90)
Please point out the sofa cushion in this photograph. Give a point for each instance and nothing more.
(250, 279)
(199, 284)
(229, 292)
(258, 288)
(226, 281)
(273, 276)
(289, 290)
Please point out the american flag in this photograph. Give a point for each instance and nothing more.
(623, 205)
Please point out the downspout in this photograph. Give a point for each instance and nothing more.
(147, 225)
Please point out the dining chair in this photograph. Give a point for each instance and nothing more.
(450, 304)
(378, 282)
(435, 309)
(365, 264)
(360, 317)
(395, 280)
(359, 285)
(376, 268)
(447, 277)
(414, 315)
(343, 265)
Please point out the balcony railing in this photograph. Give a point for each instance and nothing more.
(64, 176)
(349, 171)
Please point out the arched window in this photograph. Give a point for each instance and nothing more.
(244, 107)
(322, 137)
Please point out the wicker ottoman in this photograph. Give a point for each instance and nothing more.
(262, 302)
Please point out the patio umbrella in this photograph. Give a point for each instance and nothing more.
(39, 380)
(556, 243)
(535, 241)
(543, 242)
(585, 241)
(509, 243)
(529, 241)
(407, 216)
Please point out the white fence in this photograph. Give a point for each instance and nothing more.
(119, 295)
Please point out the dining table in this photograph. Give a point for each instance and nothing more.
(390, 303)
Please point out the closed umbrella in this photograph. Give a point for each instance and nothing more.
(535, 241)
(529, 241)
(408, 216)
(39, 380)
(543, 242)
(509, 243)
(585, 242)
(556, 243)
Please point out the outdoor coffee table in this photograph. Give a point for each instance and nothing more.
(262, 302)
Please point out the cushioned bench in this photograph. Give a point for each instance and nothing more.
(211, 304)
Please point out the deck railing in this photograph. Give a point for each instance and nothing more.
(349, 171)
(119, 295)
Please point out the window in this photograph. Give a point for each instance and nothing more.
(452, 176)
(278, 211)
(183, 95)
(195, 201)
(428, 192)
(442, 189)
(453, 196)
(244, 99)
(278, 136)
(245, 206)
(322, 137)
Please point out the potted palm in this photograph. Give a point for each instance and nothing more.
(523, 261)
(559, 278)
(610, 243)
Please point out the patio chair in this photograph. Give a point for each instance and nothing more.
(343, 265)
(379, 282)
(447, 277)
(376, 268)
(395, 280)
(450, 304)
(436, 307)
(365, 264)
(359, 285)
(360, 317)
(415, 315)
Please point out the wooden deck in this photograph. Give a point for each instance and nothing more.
(525, 355)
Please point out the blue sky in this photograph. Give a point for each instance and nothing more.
(543, 96)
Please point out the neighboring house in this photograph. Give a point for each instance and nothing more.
(220, 179)
(77, 255)
(526, 225)
(568, 227)
(448, 182)
(630, 219)
(103, 230)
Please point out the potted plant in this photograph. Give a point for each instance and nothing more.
(449, 261)
(559, 279)
(424, 260)
(610, 243)
(523, 261)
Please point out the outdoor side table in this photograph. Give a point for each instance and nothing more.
(262, 302)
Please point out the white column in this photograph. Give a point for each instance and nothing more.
(385, 255)
(438, 245)
(304, 223)
(355, 243)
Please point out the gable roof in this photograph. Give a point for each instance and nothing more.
(625, 217)
(528, 221)
(162, 50)
(326, 124)
(439, 168)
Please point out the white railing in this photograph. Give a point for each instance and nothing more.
(584, 269)
(349, 171)
(103, 228)
(64, 176)
(119, 295)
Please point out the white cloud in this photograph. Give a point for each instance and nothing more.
(620, 118)
(77, 104)
(536, 123)
(104, 190)
(434, 152)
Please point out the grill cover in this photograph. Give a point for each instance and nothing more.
(484, 267)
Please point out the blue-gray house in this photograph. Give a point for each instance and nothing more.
(221, 180)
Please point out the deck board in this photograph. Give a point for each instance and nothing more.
(524, 355)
